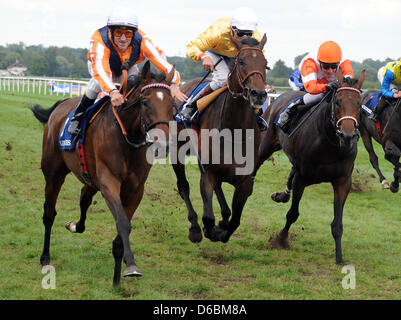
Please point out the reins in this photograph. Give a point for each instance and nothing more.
(123, 90)
(242, 79)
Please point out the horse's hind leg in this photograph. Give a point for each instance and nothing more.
(195, 232)
(225, 209)
(87, 194)
(392, 154)
(54, 180)
(293, 213)
(286, 194)
(367, 141)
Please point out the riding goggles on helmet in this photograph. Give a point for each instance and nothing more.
(241, 33)
(327, 66)
(119, 32)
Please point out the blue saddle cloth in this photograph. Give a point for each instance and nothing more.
(178, 116)
(66, 140)
(276, 119)
(371, 104)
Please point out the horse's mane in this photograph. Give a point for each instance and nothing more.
(135, 80)
(350, 81)
(249, 41)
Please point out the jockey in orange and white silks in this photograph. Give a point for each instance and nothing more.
(214, 43)
(119, 43)
(319, 75)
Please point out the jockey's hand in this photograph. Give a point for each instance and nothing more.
(177, 93)
(117, 99)
(397, 95)
(332, 86)
(207, 63)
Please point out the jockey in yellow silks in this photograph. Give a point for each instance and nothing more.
(214, 43)
(390, 79)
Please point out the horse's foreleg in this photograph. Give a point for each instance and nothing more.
(241, 194)
(293, 213)
(341, 189)
(225, 209)
(52, 190)
(87, 194)
(367, 141)
(286, 194)
(110, 188)
(195, 232)
(207, 184)
(392, 154)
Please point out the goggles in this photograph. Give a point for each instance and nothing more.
(327, 66)
(120, 32)
(241, 33)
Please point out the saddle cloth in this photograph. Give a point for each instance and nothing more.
(66, 140)
(295, 116)
(371, 103)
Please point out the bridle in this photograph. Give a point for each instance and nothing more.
(147, 140)
(244, 93)
(336, 123)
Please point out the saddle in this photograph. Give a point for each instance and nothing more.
(69, 142)
(202, 104)
(371, 103)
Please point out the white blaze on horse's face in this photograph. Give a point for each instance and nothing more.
(160, 95)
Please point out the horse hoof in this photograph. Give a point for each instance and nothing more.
(223, 225)
(393, 189)
(280, 197)
(132, 271)
(71, 226)
(385, 184)
(195, 237)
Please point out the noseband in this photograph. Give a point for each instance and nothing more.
(242, 79)
(146, 127)
(338, 122)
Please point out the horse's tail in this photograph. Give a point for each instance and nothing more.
(42, 114)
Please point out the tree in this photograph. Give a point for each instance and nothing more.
(280, 70)
(38, 66)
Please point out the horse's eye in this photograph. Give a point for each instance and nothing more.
(241, 62)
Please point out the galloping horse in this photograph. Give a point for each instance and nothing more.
(232, 112)
(388, 135)
(117, 163)
(322, 150)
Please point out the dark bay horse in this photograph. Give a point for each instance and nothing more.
(231, 121)
(323, 149)
(388, 135)
(117, 167)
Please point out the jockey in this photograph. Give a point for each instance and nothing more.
(319, 74)
(214, 43)
(390, 79)
(119, 43)
(295, 80)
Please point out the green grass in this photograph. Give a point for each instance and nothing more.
(247, 267)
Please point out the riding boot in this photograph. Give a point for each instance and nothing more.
(190, 108)
(285, 117)
(374, 116)
(261, 122)
(75, 124)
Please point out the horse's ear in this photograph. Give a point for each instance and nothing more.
(263, 41)
(236, 40)
(340, 77)
(170, 75)
(146, 74)
(361, 79)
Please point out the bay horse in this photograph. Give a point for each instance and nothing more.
(232, 112)
(117, 164)
(388, 135)
(323, 149)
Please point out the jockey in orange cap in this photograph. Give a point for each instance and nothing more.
(319, 74)
(119, 43)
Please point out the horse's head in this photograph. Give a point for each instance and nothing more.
(346, 106)
(247, 79)
(156, 108)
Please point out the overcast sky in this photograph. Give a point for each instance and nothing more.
(363, 28)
